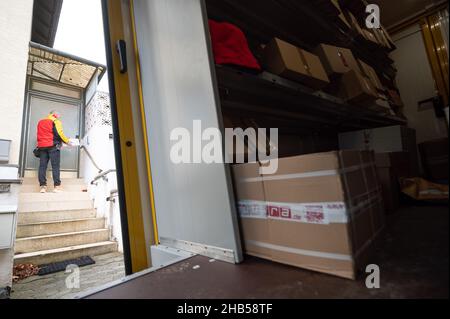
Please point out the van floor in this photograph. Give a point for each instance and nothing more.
(412, 255)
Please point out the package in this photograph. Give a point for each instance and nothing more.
(391, 167)
(395, 98)
(320, 211)
(381, 105)
(370, 36)
(369, 72)
(293, 63)
(421, 189)
(354, 87)
(384, 139)
(341, 15)
(379, 34)
(388, 37)
(355, 24)
(336, 60)
(434, 156)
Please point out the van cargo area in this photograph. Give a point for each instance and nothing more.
(224, 149)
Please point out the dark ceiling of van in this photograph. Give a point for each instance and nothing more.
(393, 12)
(45, 21)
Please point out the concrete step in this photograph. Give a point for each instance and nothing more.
(59, 227)
(61, 254)
(48, 206)
(35, 188)
(47, 242)
(64, 181)
(53, 197)
(58, 215)
(63, 174)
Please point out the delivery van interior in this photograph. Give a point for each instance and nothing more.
(356, 177)
(239, 149)
(337, 170)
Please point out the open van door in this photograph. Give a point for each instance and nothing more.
(159, 57)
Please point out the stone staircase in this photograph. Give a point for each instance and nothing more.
(58, 226)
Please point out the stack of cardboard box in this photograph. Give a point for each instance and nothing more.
(379, 37)
(331, 68)
(381, 103)
(320, 211)
(341, 15)
(349, 80)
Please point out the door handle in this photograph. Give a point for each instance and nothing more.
(121, 48)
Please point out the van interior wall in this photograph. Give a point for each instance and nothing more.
(415, 82)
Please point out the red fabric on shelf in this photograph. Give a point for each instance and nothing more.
(230, 46)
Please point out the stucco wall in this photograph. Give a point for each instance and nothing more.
(15, 34)
(99, 144)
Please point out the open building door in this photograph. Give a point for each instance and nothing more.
(160, 57)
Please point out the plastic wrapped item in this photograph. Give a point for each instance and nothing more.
(73, 142)
(421, 189)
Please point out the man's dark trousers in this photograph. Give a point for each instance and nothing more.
(54, 155)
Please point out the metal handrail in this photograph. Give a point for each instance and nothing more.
(113, 193)
(11, 181)
(102, 175)
(82, 147)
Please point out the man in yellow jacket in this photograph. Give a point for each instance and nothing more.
(50, 136)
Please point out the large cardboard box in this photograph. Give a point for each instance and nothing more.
(390, 168)
(370, 72)
(354, 87)
(320, 211)
(291, 62)
(336, 60)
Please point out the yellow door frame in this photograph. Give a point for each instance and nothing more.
(437, 54)
(126, 157)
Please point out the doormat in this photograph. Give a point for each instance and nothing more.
(62, 265)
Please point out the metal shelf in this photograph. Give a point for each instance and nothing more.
(303, 23)
(271, 97)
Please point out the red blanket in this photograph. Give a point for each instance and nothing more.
(230, 46)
